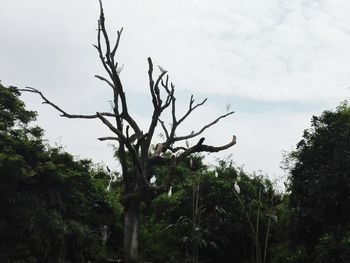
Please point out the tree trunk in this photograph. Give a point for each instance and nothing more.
(131, 232)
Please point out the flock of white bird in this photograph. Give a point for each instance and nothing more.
(153, 181)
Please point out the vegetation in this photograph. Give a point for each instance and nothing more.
(55, 208)
(167, 205)
(52, 209)
(320, 187)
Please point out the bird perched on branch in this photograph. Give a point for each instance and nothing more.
(119, 69)
(237, 188)
(158, 149)
(111, 104)
(162, 69)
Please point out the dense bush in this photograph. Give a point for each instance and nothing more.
(55, 208)
(334, 246)
(205, 217)
(52, 209)
(320, 184)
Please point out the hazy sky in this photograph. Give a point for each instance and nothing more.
(275, 62)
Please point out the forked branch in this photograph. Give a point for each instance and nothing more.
(108, 60)
(195, 134)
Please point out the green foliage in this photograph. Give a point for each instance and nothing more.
(12, 110)
(55, 208)
(158, 242)
(52, 209)
(334, 246)
(217, 226)
(284, 252)
(320, 183)
(320, 179)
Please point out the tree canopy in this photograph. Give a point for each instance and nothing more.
(52, 209)
(56, 208)
(320, 178)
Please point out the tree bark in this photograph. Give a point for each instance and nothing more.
(131, 232)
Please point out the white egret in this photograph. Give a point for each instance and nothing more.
(162, 69)
(112, 179)
(111, 104)
(158, 149)
(170, 193)
(119, 69)
(237, 188)
(108, 187)
(216, 174)
(153, 179)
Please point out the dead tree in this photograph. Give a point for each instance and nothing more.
(133, 143)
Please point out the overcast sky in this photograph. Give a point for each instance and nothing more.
(275, 62)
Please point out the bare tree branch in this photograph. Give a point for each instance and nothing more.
(108, 62)
(120, 135)
(176, 149)
(109, 139)
(199, 147)
(151, 82)
(192, 135)
(171, 137)
(99, 48)
(124, 140)
(191, 108)
(105, 80)
(164, 129)
(65, 114)
(119, 33)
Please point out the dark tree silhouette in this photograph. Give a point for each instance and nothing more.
(320, 179)
(134, 145)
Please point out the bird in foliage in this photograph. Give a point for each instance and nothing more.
(170, 193)
(237, 188)
(153, 179)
